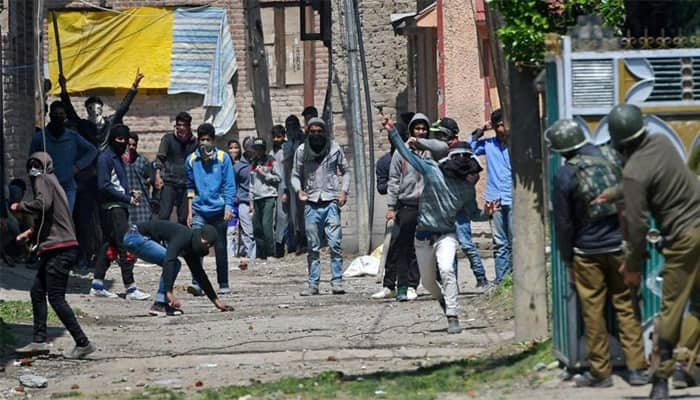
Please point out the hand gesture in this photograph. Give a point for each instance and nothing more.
(138, 78)
(412, 142)
(387, 122)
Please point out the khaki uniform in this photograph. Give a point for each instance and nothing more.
(597, 277)
(658, 183)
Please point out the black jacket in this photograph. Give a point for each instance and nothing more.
(382, 171)
(571, 229)
(171, 159)
(181, 241)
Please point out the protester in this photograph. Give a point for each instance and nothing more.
(322, 180)
(498, 194)
(309, 113)
(170, 176)
(16, 222)
(245, 204)
(658, 184)
(139, 173)
(71, 152)
(448, 187)
(279, 138)
(404, 191)
(115, 197)
(53, 235)
(265, 177)
(590, 244)
(145, 240)
(211, 189)
(295, 138)
(233, 237)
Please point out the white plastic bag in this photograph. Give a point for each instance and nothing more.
(361, 266)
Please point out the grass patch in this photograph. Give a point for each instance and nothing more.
(14, 311)
(505, 367)
(67, 395)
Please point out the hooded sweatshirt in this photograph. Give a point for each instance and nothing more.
(210, 184)
(405, 184)
(112, 181)
(54, 227)
(322, 179)
(265, 181)
(171, 158)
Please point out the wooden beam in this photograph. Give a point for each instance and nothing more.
(257, 71)
(280, 48)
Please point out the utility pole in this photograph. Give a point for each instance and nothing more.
(516, 89)
(354, 124)
(258, 72)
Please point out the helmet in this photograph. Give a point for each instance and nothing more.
(565, 135)
(625, 123)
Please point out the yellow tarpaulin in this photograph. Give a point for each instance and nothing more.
(103, 49)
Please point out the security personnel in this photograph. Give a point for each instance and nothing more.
(590, 243)
(657, 183)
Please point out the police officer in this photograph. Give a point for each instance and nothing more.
(590, 243)
(657, 183)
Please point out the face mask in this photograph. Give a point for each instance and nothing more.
(317, 142)
(56, 126)
(118, 148)
(34, 172)
(95, 114)
(206, 150)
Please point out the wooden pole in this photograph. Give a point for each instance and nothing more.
(258, 76)
(58, 43)
(309, 62)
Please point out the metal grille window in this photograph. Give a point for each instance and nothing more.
(674, 79)
(593, 83)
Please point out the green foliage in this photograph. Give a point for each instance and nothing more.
(525, 23)
(17, 311)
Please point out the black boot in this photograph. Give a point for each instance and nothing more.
(659, 389)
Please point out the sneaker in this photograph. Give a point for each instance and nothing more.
(682, 379)
(637, 377)
(411, 294)
(659, 389)
(195, 290)
(588, 380)
(309, 291)
(102, 293)
(172, 311)
(337, 288)
(136, 294)
(33, 349)
(80, 351)
(224, 290)
(384, 293)
(157, 310)
(482, 282)
(453, 325)
(401, 294)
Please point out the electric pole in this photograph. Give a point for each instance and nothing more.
(354, 125)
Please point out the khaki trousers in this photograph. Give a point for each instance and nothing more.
(681, 282)
(596, 277)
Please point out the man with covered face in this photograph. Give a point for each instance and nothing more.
(71, 152)
(295, 138)
(115, 197)
(211, 190)
(170, 176)
(322, 180)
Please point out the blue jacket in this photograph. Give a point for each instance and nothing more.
(574, 233)
(210, 185)
(67, 150)
(499, 180)
(112, 181)
(242, 172)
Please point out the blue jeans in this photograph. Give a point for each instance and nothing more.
(149, 251)
(501, 225)
(320, 218)
(464, 237)
(217, 221)
(70, 195)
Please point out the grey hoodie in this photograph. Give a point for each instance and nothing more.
(405, 184)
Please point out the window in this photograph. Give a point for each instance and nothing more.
(283, 46)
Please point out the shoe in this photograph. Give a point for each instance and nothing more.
(102, 292)
(172, 311)
(80, 351)
(401, 294)
(385, 293)
(310, 291)
(33, 349)
(157, 310)
(588, 380)
(682, 379)
(136, 294)
(659, 389)
(411, 294)
(337, 288)
(637, 377)
(453, 325)
(224, 290)
(195, 290)
(482, 282)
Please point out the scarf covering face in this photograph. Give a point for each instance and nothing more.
(316, 147)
